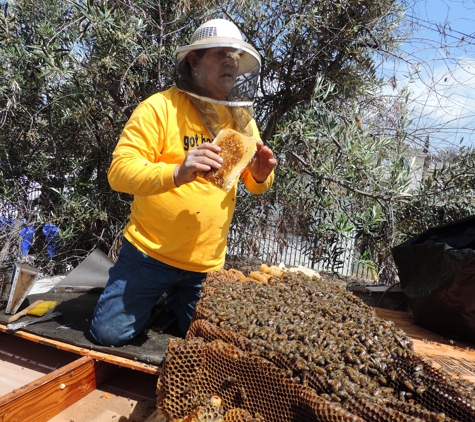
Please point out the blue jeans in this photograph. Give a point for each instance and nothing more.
(135, 284)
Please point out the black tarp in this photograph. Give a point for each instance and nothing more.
(76, 296)
(72, 327)
(437, 274)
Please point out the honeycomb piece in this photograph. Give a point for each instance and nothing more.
(238, 415)
(259, 276)
(273, 270)
(238, 274)
(264, 268)
(304, 270)
(236, 151)
(302, 348)
(276, 271)
(241, 380)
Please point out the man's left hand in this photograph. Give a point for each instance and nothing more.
(262, 163)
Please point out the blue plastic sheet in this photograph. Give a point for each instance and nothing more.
(26, 239)
(5, 221)
(51, 233)
(27, 233)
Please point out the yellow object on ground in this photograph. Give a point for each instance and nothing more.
(42, 308)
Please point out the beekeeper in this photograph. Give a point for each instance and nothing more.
(179, 223)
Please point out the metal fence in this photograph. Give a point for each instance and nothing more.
(274, 247)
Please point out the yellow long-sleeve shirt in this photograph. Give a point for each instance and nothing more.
(187, 226)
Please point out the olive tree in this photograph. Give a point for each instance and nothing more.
(72, 72)
(70, 75)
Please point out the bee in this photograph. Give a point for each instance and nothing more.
(418, 368)
(350, 358)
(420, 390)
(372, 386)
(188, 388)
(409, 385)
(301, 365)
(373, 370)
(230, 380)
(342, 393)
(351, 388)
(335, 398)
(242, 394)
(319, 370)
(335, 385)
(393, 375)
(363, 368)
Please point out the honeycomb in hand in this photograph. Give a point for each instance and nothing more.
(237, 151)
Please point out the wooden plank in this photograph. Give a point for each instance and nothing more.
(457, 361)
(457, 358)
(22, 362)
(22, 281)
(47, 396)
(101, 356)
(128, 396)
(405, 322)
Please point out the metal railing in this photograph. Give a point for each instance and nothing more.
(292, 250)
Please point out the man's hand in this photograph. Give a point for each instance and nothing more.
(202, 158)
(262, 163)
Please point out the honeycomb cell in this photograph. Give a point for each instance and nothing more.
(301, 348)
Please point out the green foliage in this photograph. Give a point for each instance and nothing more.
(72, 72)
(341, 180)
(344, 181)
(303, 40)
(445, 194)
(70, 76)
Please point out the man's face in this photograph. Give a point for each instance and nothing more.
(216, 71)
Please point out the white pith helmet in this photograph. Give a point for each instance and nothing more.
(221, 33)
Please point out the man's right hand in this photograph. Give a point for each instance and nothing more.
(202, 158)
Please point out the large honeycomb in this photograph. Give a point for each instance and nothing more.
(299, 348)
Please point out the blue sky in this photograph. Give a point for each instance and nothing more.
(439, 71)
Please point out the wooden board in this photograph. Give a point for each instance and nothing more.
(44, 398)
(127, 394)
(72, 327)
(104, 357)
(22, 280)
(457, 358)
(22, 362)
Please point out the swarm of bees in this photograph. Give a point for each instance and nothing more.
(314, 339)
